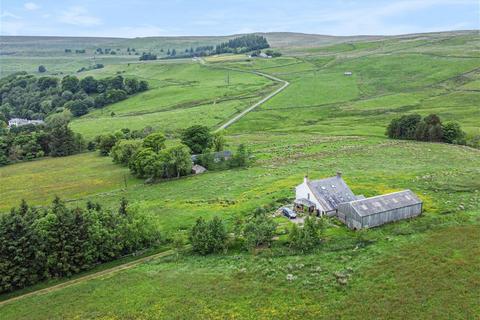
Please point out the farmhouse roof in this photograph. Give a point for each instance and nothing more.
(226, 154)
(330, 192)
(386, 202)
(304, 202)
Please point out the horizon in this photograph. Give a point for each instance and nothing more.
(185, 18)
(254, 32)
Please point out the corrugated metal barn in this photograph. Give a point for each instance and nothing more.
(375, 211)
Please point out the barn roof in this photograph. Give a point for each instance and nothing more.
(330, 192)
(386, 202)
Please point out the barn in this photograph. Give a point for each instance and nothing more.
(378, 210)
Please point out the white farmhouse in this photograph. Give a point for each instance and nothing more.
(323, 196)
(18, 122)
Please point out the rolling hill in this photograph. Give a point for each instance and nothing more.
(323, 122)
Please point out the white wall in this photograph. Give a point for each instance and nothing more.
(303, 191)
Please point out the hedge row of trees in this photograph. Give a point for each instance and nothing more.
(57, 241)
(146, 155)
(258, 230)
(30, 97)
(34, 141)
(430, 128)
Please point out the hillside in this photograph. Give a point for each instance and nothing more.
(323, 122)
(26, 53)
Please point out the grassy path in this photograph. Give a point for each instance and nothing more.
(95, 275)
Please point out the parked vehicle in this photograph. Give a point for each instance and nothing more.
(289, 213)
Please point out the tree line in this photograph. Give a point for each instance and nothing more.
(30, 97)
(242, 44)
(57, 241)
(429, 128)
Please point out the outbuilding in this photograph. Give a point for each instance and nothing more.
(378, 210)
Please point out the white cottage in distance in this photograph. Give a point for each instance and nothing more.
(323, 196)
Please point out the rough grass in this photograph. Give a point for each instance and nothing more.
(72, 177)
(322, 123)
(394, 286)
(181, 94)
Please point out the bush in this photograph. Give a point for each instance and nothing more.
(307, 238)
(208, 237)
(259, 231)
(453, 133)
(106, 143)
(124, 150)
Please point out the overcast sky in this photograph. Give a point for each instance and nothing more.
(142, 18)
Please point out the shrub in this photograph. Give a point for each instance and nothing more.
(309, 237)
(259, 231)
(208, 237)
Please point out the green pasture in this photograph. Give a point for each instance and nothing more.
(323, 122)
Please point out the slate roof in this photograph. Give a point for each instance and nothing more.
(330, 192)
(386, 202)
(226, 154)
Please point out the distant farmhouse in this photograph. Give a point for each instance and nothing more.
(347, 73)
(333, 197)
(217, 156)
(18, 122)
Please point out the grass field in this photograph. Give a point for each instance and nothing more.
(72, 177)
(324, 122)
(181, 94)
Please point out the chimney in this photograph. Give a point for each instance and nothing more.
(339, 174)
(305, 179)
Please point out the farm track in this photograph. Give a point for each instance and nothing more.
(271, 95)
(244, 112)
(92, 276)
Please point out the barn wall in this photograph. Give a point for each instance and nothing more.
(349, 216)
(391, 215)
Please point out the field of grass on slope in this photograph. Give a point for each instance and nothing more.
(397, 277)
(39, 181)
(180, 95)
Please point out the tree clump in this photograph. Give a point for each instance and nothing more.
(430, 128)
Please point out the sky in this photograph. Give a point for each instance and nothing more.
(144, 18)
